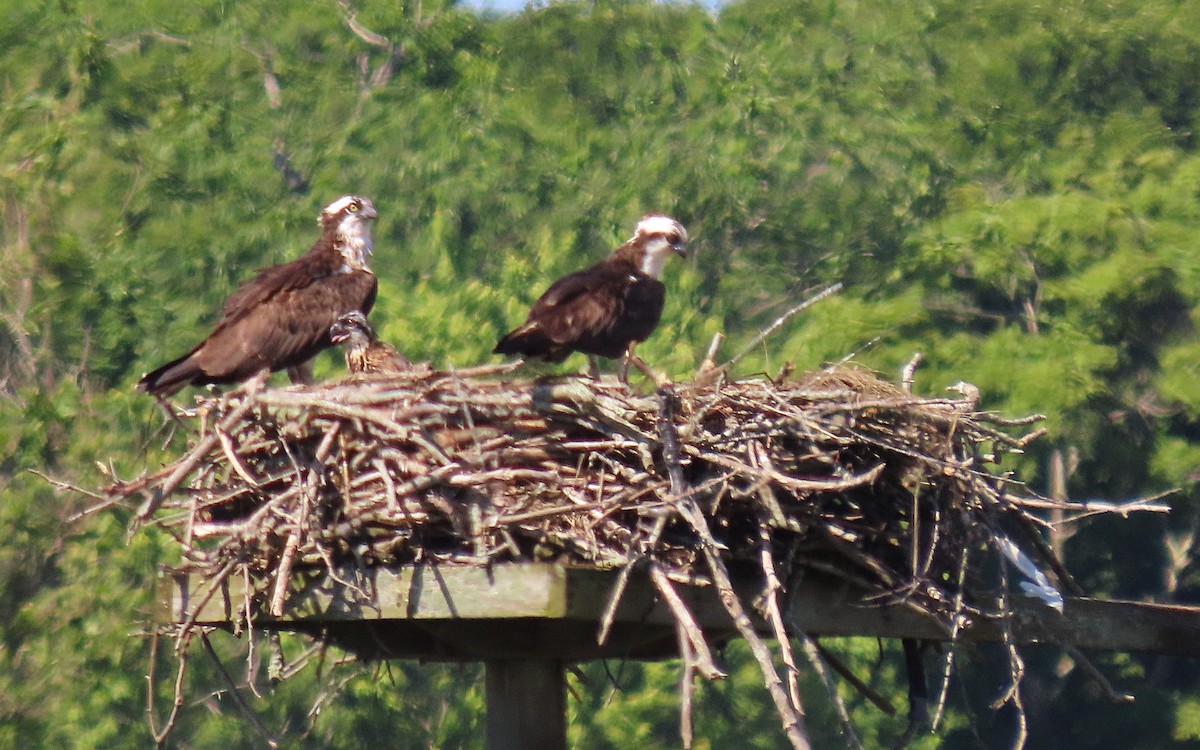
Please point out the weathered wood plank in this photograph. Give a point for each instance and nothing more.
(545, 610)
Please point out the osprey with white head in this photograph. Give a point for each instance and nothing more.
(607, 309)
(281, 318)
(350, 219)
(658, 237)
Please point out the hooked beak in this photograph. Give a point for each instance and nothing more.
(368, 212)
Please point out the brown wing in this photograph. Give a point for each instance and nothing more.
(282, 329)
(542, 334)
(621, 314)
(599, 311)
(287, 329)
(319, 263)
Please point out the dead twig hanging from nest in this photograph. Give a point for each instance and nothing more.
(835, 471)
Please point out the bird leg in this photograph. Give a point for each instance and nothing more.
(302, 374)
(593, 366)
(623, 370)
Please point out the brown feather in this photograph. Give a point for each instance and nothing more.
(279, 319)
(365, 353)
(596, 311)
(600, 310)
(377, 358)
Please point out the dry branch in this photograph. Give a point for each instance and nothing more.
(836, 468)
(837, 472)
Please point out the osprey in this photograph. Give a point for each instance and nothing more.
(607, 309)
(365, 353)
(281, 318)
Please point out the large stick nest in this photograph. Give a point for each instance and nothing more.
(839, 470)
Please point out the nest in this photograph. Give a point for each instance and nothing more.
(836, 471)
(460, 468)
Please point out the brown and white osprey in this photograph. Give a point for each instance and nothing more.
(607, 309)
(280, 319)
(365, 353)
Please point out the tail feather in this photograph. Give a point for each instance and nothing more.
(171, 377)
(530, 341)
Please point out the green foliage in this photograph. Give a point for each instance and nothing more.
(1008, 188)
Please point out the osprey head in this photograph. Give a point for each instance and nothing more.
(658, 236)
(347, 207)
(350, 218)
(353, 327)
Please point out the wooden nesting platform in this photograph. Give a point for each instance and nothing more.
(552, 611)
(453, 516)
(525, 621)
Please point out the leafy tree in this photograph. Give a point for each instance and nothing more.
(1008, 188)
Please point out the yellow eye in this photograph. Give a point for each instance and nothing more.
(352, 208)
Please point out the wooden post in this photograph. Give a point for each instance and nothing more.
(526, 705)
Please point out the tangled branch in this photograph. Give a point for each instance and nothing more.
(837, 471)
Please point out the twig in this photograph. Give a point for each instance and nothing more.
(829, 659)
(956, 622)
(815, 658)
(272, 742)
(535, 515)
(701, 658)
(803, 485)
(710, 356)
(160, 734)
(762, 336)
(686, 683)
(247, 588)
(908, 373)
(854, 353)
(234, 460)
(1016, 666)
(1106, 688)
(284, 571)
(214, 585)
(770, 608)
(918, 686)
(1096, 507)
(618, 590)
(292, 546)
(160, 493)
(793, 725)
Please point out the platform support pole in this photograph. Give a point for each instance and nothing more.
(526, 704)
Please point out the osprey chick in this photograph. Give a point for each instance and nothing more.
(607, 309)
(281, 318)
(365, 353)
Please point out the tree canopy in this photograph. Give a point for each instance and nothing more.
(1009, 188)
